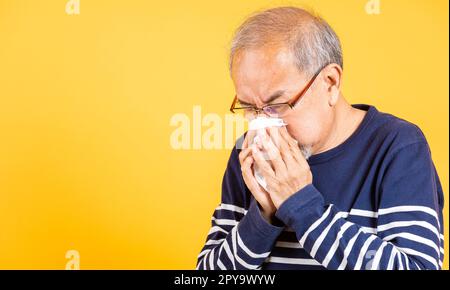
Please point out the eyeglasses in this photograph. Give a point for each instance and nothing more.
(272, 110)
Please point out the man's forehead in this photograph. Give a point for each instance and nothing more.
(264, 77)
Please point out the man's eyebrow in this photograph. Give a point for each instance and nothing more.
(244, 103)
(273, 97)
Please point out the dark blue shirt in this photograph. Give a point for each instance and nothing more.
(375, 203)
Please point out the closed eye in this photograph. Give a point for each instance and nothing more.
(244, 104)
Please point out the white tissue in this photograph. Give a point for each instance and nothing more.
(262, 123)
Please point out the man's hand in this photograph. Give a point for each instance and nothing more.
(262, 196)
(281, 163)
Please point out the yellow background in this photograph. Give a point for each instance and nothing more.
(86, 100)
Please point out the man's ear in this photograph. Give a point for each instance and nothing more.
(333, 79)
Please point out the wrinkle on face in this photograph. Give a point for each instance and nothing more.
(259, 73)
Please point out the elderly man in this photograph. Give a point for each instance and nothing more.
(347, 186)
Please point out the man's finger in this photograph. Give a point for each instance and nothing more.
(250, 181)
(285, 149)
(273, 153)
(263, 165)
(248, 139)
(293, 144)
(244, 154)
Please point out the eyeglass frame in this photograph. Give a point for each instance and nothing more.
(291, 103)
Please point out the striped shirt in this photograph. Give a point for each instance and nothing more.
(375, 203)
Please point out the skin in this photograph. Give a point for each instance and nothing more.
(321, 120)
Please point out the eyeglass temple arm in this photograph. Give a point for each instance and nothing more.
(294, 101)
(233, 104)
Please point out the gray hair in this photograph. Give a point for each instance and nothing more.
(312, 41)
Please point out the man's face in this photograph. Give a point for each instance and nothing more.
(262, 73)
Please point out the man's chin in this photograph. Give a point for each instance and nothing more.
(306, 151)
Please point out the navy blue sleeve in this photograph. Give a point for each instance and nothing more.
(239, 237)
(409, 230)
